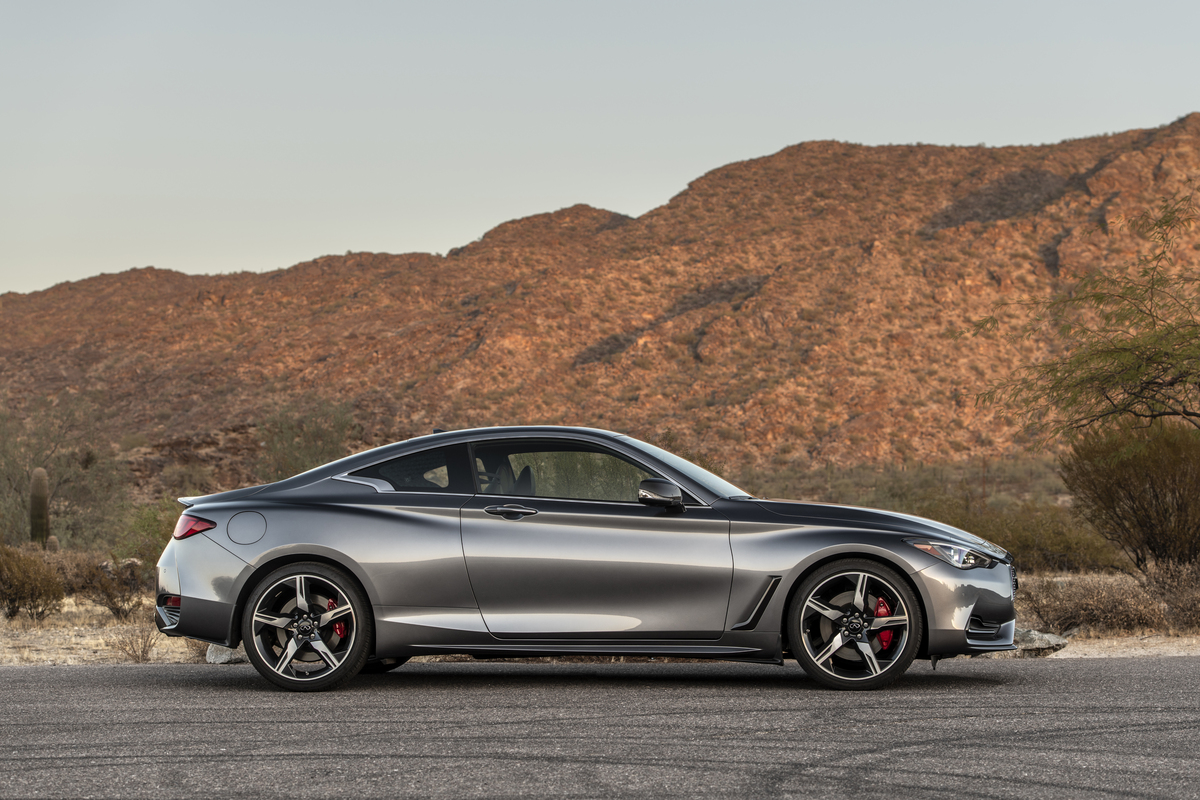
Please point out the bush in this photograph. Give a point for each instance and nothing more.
(136, 641)
(73, 567)
(116, 585)
(147, 536)
(1140, 489)
(27, 584)
(1103, 603)
(1178, 586)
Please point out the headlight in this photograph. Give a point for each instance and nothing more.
(954, 554)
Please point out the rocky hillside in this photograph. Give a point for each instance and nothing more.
(792, 309)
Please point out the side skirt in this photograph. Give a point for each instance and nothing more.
(762, 648)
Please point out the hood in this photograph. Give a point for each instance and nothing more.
(875, 519)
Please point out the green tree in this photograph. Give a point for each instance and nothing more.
(1130, 336)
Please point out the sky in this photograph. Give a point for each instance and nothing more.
(218, 137)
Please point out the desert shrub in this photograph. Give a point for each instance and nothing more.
(28, 585)
(298, 438)
(1102, 603)
(1140, 489)
(137, 640)
(146, 536)
(1178, 586)
(115, 585)
(73, 567)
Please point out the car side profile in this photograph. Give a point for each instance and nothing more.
(542, 540)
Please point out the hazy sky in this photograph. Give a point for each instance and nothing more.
(218, 137)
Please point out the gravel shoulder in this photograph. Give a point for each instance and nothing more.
(1156, 644)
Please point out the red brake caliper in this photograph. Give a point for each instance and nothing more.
(340, 627)
(882, 609)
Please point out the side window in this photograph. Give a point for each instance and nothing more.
(444, 469)
(566, 470)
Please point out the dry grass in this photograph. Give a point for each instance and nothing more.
(136, 639)
(1165, 601)
(80, 634)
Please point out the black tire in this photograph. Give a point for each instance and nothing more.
(296, 634)
(854, 624)
(377, 666)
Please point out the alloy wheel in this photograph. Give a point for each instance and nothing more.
(855, 625)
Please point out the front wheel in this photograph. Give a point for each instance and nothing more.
(307, 627)
(854, 624)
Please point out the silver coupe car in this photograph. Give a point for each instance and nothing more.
(534, 541)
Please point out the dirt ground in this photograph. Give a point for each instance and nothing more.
(85, 633)
(1152, 644)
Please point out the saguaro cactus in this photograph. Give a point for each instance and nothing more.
(39, 507)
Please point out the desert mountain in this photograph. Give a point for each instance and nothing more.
(791, 309)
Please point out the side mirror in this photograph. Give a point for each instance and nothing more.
(657, 492)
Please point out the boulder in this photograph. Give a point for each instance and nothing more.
(225, 655)
(1035, 644)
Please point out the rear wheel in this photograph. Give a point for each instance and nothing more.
(307, 627)
(854, 624)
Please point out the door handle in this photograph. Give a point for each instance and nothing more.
(511, 511)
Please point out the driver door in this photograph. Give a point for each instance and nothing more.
(580, 557)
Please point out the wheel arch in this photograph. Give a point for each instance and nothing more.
(266, 567)
(895, 565)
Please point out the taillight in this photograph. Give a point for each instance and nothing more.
(190, 526)
(170, 601)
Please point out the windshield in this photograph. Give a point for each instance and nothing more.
(714, 483)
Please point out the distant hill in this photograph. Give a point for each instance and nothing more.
(791, 309)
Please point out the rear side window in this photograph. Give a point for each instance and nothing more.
(444, 469)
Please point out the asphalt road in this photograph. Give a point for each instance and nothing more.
(1125, 727)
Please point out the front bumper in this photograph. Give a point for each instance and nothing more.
(970, 611)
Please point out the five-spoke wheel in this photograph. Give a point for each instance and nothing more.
(854, 624)
(307, 627)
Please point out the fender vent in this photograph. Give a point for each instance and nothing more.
(752, 621)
